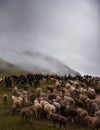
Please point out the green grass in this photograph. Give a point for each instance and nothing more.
(4, 73)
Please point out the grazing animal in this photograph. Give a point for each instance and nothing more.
(27, 113)
(58, 119)
(57, 105)
(37, 108)
(70, 112)
(93, 122)
(5, 98)
(49, 108)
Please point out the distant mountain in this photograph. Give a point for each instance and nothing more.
(7, 68)
(36, 62)
(44, 63)
(4, 65)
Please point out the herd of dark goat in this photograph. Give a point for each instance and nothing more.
(61, 99)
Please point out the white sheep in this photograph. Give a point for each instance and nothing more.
(49, 108)
(37, 108)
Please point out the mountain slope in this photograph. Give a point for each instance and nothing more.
(48, 64)
(7, 68)
(36, 62)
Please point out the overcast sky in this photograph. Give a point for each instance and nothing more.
(66, 29)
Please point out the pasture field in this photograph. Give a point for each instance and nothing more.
(14, 122)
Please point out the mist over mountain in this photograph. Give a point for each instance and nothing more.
(7, 68)
(4, 65)
(37, 62)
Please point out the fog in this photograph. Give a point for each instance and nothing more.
(65, 29)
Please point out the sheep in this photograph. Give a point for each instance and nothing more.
(37, 109)
(57, 105)
(83, 97)
(75, 83)
(57, 84)
(91, 93)
(14, 99)
(49, 108)
(97, 100)
(15, 90)
(5, 98)
(27, 113)
(58, 119)
(95, 106)
(79, 103)
(82, 113)
(1, 81)
(58, 98)
(38, 91)
(97, 113)
(51, 96)
(67, 85)
(93, 122)
(24, 92)
(17, 100)
(16, 103)
(71, 89)
(51, 88)
(69, 99)
(42, 102)
(24, 99)
(63, 89)
(70, 112)
(52, 80)
(32, 97)
(15, 106)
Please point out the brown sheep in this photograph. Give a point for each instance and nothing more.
(83, 97)
(15, 107)
(82, 113)
(15, 90)
(93, 122)
(27, 113)
(52, 96)
(91, 93)
(97, 113)
(38, 91)
(69, 99)
(58, 119)
(51, 88)
(5, 98)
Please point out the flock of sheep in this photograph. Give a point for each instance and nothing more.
(75, 100)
